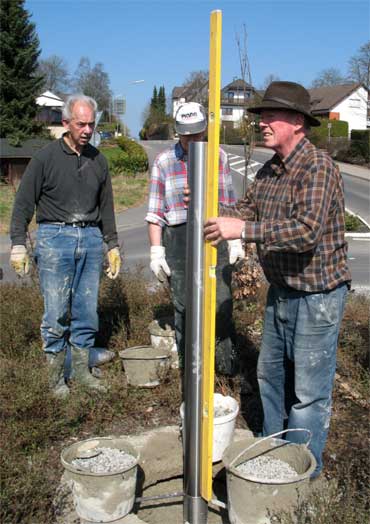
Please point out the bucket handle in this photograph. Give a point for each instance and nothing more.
(270, 437)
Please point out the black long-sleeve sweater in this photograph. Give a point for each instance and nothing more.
(65, 187)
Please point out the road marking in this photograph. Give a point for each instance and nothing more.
(237, 162)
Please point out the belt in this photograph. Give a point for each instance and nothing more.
(73, 224)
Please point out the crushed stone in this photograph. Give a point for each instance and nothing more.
(221, 411)
(107, 460)
(266, 468)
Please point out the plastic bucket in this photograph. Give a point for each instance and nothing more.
(101, 497)
(252, 501)
(144, 365)
(223, 426)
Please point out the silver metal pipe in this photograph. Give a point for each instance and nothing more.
(195, 508)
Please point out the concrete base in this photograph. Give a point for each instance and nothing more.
(160, 473)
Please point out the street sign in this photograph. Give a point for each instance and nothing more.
(119, 106)
(95, 139)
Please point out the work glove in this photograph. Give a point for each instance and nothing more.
(158, 263)
(236, 250)
(114, 259)
(19, 260)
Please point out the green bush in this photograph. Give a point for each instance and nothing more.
(360, 144)
(320, 135)
(133, 157)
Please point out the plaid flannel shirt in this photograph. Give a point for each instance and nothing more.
(294, 211)
(168, 179)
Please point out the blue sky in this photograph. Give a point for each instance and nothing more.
(162, 41)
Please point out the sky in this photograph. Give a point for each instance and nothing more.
(162, 41)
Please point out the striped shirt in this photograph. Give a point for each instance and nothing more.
(168, 179)
(294, 211)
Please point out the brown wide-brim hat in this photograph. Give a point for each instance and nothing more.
(288, 96)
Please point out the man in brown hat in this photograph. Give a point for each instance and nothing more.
(294, 212)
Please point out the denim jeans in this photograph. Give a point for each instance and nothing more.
(174, 240)
(296, 365)
(69, 261)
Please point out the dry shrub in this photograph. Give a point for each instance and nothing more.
(21, 307)
(354, 343)
(248, 277)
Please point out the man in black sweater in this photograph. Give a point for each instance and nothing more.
(69, 185)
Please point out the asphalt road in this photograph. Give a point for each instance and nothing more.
(133, 232)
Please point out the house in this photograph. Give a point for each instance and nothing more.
(348, 102)
(14, 159)
(50, 112)
(234, 97)
(195, 92)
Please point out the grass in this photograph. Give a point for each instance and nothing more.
(35, 426)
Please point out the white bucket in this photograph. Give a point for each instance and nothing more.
(223, 426)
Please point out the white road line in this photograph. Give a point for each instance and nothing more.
(237, 162)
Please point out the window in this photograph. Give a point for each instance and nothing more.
(230, 95)
(227, 111)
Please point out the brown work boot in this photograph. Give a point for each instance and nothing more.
(81, 372)
(55, 365)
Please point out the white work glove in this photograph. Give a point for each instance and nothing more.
(19, 260)
(158, 263)
(236, 250)
(114, 259)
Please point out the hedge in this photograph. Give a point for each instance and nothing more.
(360, 144)
(320, 135)
(133, 158)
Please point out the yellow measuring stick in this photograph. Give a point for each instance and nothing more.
(210, 255)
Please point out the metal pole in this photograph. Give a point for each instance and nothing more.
(195, 507)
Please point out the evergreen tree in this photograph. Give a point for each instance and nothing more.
(154, 100)
(162, 100)
(20, 84)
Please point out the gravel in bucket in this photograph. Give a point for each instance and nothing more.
(221, 411)
(106, 460)
(264, 469)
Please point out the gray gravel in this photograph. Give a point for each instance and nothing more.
(266, 468)
(107, 460)
(221, 411)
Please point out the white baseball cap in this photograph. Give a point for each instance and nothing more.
(190, 119)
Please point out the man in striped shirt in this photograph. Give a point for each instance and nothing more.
(167, 218)
(294, 212)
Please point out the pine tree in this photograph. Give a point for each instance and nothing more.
(154, 100)
(162, 100)
(20, 83)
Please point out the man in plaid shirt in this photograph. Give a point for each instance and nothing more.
(166, 219)
(294, 212)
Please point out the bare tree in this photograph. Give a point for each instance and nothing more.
(94, 82)
(55, 72)
(329, 77)
(196, 87)
(267, 81)
(359, 66)
(248, 128)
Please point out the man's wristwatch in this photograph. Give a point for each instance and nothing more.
(243, 235)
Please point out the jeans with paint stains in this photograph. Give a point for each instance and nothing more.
(69, 261)
(174, 240)
(296, 365)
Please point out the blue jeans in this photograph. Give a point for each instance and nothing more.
(174, 240)
(69, 261)
(296, 365)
